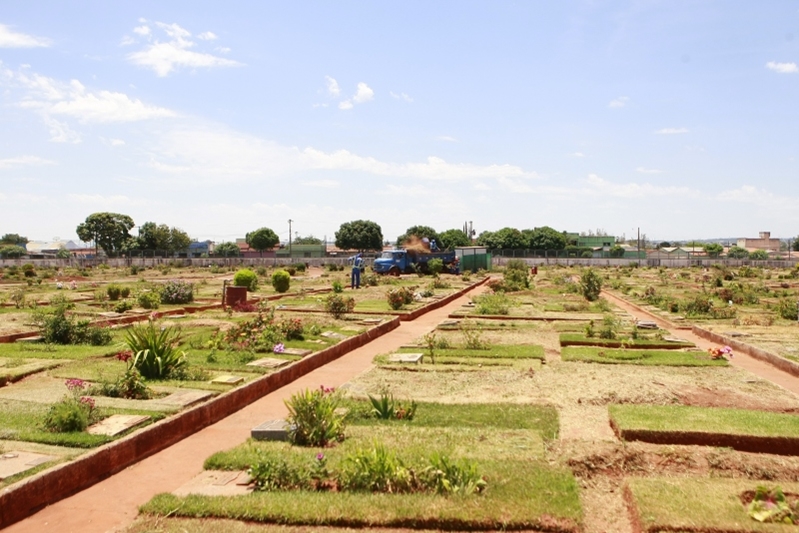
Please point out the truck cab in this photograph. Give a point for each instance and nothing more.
(393, 262)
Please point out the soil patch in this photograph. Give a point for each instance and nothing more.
(720, 397)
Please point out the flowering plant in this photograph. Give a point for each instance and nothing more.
(720, 353)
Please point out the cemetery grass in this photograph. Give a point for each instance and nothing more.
(149, 524)
(567, 339)
(523, 490)
(675, 418)
(698, 504)
(492, 351)
(24, 421)
(639, 357)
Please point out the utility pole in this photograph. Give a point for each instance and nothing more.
(639, 246)
(290, 221)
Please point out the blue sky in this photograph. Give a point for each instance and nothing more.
(678, 117)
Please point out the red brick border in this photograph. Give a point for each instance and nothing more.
(773, 359)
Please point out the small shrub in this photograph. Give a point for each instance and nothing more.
(788, 309)
(435, 266)
(299, 267)
(177, 291)
(113, 291)
(275, 473)
(399, 296)
(246, 278)
(135, 269)
(123, 306)
(337, 306)
(492, 304)
(378, 469)
(312, 418)
(370, 280)
(590, 285)
(472, 337)
(124, 292)
(149, 299)
(449, 477)
(337, 287)
(291, 328)
(610, 327)
(281, 280)
(386, 408)
(589, 329)
(155, 353)
(74, 412)
(261, 270)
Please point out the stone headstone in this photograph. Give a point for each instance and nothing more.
(116, 424)
(646, 324)
(674, 339)
(227, 380)
(736, 334)
(217, 483)
(297, 351)
(271, 430)
(269, 362)
(186, 397)
(13, 463)
(415, 358)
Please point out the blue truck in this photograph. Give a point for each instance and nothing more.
(408, 261)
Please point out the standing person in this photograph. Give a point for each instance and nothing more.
(357, 265)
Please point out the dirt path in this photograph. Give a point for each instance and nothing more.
(113, 503)
(741, 360)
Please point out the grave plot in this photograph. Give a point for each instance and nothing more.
(500, 445)
(630, 356)
(740, 429)
(705, 505)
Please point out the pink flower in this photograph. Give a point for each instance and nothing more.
(88, 401)
(73, 384)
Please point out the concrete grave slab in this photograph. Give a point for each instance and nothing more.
(116, 424)
(37, 388)
(449, 322)
(674, 339)
(415, 358)
(186, 397)
(216, 483)
(271, 430)
(109, 314)
(269, 362)
(646, 324)
(736, 334)
(14, 462)
(28, 340)
(297, 351)
(371, 321)
(227, 380)
(333, 335)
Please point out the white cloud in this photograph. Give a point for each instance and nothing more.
(621, 101)
(346, 104)
(632, 190)
(208, 36)
(332, 86)
(116, 142)
(577, 154)
(783, 68)
(25, 160)
(401, 96)
(102, 201)
(644, 170)
(446, 138)
(142, 30)
(222, 49)
(671, 131)
(12, 39)
(60, 132)
(164, 57)
(127, 40)
(363, 94)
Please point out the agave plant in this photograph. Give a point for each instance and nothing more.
(155, 353)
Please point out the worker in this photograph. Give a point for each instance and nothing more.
(357, 265)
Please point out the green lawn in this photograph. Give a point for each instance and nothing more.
(570, 339)
(498, 351)
(639, 357)
(506, 441)
(704, 419)
(685, 504)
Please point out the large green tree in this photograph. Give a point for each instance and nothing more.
(713, 249)
(14, 238)
(545, 238)
(226, 249)
(262, 239)
(109, 231)
(452, 238)
(419, 232)
(359, 235)
(736, 252)
(11, 251)
(310, 239)
(154, 236)
(504, 239)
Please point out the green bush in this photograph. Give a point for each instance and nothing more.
(246, 278)
(399, 297)
(149, 299)
(435, 266)
(788, 309)
(74, 412)
(590, 285)
(450, 477)
(492, 304)
(59, 328)
(313, 419)
(281, 280)
(155, 353)
(124, 292)
(177, 291)
(275, 473)
(376, 470)
(337, 287)
(337, 305)
(114, 291)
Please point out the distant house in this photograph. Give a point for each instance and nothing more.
(302, 251)
(199, 249)
(246, 251)
(678, 252)
(764, 242)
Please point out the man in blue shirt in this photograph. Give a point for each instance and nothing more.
(357, 265)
